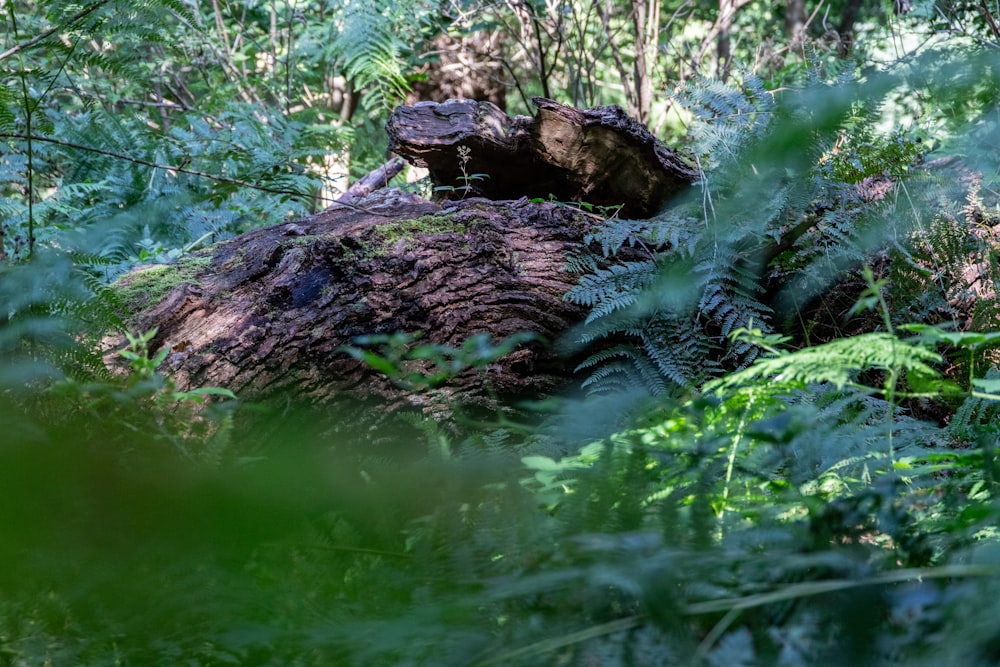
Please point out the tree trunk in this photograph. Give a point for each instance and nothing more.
(848, 17)
(795, 17)
(266, 313)
(469, 66)
(646, 31)
(723, 29)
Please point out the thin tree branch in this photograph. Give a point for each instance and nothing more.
(38, 38)
(154, 165)
(156, 105)
(984, 10)
(375, 179)
(182, 170)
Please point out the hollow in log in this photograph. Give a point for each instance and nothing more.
(599, 156)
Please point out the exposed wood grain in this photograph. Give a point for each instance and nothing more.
(600, 156)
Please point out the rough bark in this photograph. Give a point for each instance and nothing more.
(264, 314)
(600, 156)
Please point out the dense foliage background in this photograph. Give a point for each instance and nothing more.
(785, 451)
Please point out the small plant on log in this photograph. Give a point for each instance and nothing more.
(423, 366)
(467, 179)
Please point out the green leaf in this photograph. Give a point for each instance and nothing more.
(990, 386)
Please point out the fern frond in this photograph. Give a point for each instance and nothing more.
(730, 116)
(613, 378)
(680, 351)
(671, 229)
(7, 105)
(975, 415)
(371, 48)
(836, 363)
(611, 289)
(580, 262)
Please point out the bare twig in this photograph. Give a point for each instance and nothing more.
(378, 178)
(155, 105)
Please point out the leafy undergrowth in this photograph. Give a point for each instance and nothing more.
(795, 511)
(788, 514)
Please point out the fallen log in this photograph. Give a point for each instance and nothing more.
(265, 314)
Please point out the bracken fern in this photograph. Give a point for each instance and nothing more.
(770, 225)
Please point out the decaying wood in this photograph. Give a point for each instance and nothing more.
(599, 156)
(264, 313)
(267, 314)
(372, 181)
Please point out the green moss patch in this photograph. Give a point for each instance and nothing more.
(305, 239)
(389, 234)
(148, 285)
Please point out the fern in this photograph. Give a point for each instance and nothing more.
(608, 290)
(975, 416)
(836, 363)
(664, 351)
(671, 229)
(947, 270)
(688, 358)
(783, 214)
(372, 43)
(731, 295)
(634, 296)
(49, 322)
(731, 116)
(634, 368)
